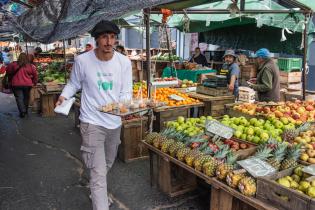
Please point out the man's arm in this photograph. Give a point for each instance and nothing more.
(235, 72)
(126, 87)
(266, 82)
(74, 83)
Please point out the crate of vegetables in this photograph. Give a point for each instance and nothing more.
(287, 190)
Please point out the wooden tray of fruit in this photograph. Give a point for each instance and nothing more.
(241, 148)
(122, 110)
(287, 190)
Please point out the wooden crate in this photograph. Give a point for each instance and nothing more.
(222, 91)
(132, 133)
(47, 103)
(292, 96)
(53, 87)
(34, 94)
(290, 77)
(248, 72)
(270, 191)
(291, 86)
(213, 106)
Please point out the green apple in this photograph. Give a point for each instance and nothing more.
(284, 120)
(256, 139)
(236, 121)
(238, 133)
(262, 121)
(253, 121)
(180, 119)
(210, 118)
(258, 124)
(250, 138)
(264, 136)
(250, 131)
(243, 136)
(278, 124)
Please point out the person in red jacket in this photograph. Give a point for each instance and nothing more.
(23, 77)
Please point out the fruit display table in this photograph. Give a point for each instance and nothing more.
(213, 105)
(182, 74)
(222, 196)
(35, 97)
(164, 114)
(47, 102)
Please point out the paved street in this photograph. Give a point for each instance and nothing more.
(41, 169)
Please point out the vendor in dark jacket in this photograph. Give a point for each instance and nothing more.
(23, 77)
(199, 58)
(268, 77)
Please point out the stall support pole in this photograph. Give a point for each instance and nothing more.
(304, 58)
(147, 45)
(26, 47)
(65, 58)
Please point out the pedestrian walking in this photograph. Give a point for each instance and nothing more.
(105, 76)
(22, 76)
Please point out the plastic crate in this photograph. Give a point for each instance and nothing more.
(289, 64)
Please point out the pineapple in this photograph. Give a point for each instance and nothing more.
(278, 156)
(191, 156)
(233, 177)
(181, 153)
(263, 152)
(291, 158)
(224, 168)
(247, 186)
(210, 167)
(290, 134)
(172, 150)
(150, 137)
(166, 144)
(157, 142)
(199, 161)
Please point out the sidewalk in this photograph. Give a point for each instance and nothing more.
(41, 168)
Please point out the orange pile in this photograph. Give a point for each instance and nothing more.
(162, 94)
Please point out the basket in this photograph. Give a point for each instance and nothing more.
(289, 64)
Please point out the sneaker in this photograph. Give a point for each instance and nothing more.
(110, 200)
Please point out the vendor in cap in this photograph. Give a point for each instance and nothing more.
(105, 77)
(231, 70)
(268, 77)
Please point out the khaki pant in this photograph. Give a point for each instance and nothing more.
(99, 150)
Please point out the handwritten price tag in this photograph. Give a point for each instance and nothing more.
(217, 128)
(257, 167)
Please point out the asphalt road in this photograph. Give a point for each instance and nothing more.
(41, 169)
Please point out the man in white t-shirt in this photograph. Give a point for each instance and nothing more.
(105, 76)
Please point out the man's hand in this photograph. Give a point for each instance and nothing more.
(60, 100)
(231, 87)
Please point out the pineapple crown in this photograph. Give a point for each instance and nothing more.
(231, 158)
(304, 127)
(222, 152)
(263, 152)
(294, 152)
(280, 152)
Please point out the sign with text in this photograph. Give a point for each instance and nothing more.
(257, 167)
(217, 128)
(176, 97)
(309, 169)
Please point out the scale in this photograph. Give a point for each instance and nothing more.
(214, 81)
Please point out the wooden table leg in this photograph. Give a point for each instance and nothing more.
(220, 200)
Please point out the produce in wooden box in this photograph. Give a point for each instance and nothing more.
(157, 142)
(178, 136)
(278, 155)
(307, 139)
(164, 94)
(175, 147)
(263, 152)
(199, 161)
(166, 144)
(297, 181)
(234, 177)
(293, 154)
(257, 131)
(182, 152)
(295, 112)
(224, 168)
(247, 186)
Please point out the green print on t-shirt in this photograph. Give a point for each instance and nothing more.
(104, 85)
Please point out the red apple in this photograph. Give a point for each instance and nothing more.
(266, 110)
(296, 116)
(273, 109)
(309, 108)
(259, 109)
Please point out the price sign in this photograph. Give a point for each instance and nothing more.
(217, 128)
(257, 167)
(309, 169)
(176, 97)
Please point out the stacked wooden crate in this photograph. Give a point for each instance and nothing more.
(248, 71)
(290, 76)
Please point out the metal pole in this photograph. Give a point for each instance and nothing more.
(304, 58)
(65, 59)
(242, 5)
(148, 53)
(26, 47)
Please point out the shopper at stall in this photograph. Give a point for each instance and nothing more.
(104, 76)
(199, 58)
(268, 77)
(22, 76)
(7, 56)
